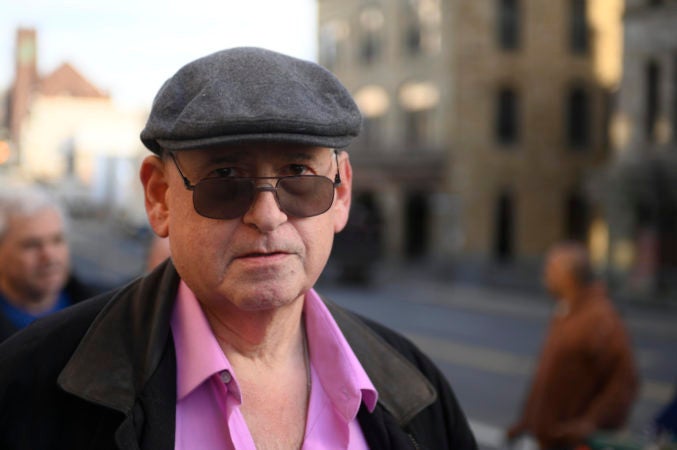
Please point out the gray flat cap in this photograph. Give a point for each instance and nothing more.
(247, 95)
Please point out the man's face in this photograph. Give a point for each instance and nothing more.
(557, 273)
(34, 257)
(263, 259)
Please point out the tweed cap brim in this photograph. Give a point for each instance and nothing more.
(249, 94)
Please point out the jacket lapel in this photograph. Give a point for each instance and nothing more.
(119, 359)
(381, 431)
(402, 389)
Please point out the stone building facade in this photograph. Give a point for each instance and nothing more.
(483, 119)
(643, 177)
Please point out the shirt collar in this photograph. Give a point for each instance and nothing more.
(341, 374)
(199, 356)
(198, 353)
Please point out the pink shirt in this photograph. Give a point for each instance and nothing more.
(208, 397)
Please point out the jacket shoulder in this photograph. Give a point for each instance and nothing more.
(49, 340)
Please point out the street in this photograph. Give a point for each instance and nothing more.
(485, 340)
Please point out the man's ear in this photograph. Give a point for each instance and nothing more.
(155, 184)
(343, 193)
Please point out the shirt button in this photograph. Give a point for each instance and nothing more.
(226, 376)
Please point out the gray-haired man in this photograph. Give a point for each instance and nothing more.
(34, 259)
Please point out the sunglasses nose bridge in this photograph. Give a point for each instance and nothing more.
(260, 188)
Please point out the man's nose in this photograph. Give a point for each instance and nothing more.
(265, 213)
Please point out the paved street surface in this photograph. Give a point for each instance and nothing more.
(485, 340)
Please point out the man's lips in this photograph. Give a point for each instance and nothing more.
(262, 255)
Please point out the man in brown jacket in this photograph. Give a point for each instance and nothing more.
(586, 378)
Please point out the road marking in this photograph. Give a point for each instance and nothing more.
(506, 363)
(487, 435)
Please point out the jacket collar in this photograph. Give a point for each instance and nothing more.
(122, 349)
(125, 342)
(402, 389)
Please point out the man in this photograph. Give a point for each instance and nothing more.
(586, 378)
(227, 345)
(34, 259)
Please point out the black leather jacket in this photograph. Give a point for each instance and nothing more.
(102, 375)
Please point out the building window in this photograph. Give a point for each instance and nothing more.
(420, 24)
(371, 22)
(333, 36)
(652, 83)
(508, 24)
(578, 119)
(504, 227)
(374, 102)
(507, 111)
(372, 132)
(674, 98)
(577, 217)
(578, 26)
(417, 224)
(416, 124)
(418, 100)
(412, 27)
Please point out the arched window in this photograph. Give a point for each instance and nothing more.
(374, 102)
(418, 100)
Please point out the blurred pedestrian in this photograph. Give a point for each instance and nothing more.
(226, 344)
(586, 378)
(35, 278)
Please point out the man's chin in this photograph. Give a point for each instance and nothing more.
(48, 288)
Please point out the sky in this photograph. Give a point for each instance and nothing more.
(130, 47)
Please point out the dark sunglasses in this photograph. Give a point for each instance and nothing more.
(230, 198)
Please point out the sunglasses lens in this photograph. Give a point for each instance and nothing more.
(302, 196)
(219, 198)
(305, 196)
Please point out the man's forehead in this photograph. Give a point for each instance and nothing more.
(44, 221)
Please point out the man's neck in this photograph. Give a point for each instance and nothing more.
(265, 336)
(268, 353)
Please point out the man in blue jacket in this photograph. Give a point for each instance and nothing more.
(35, 278)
